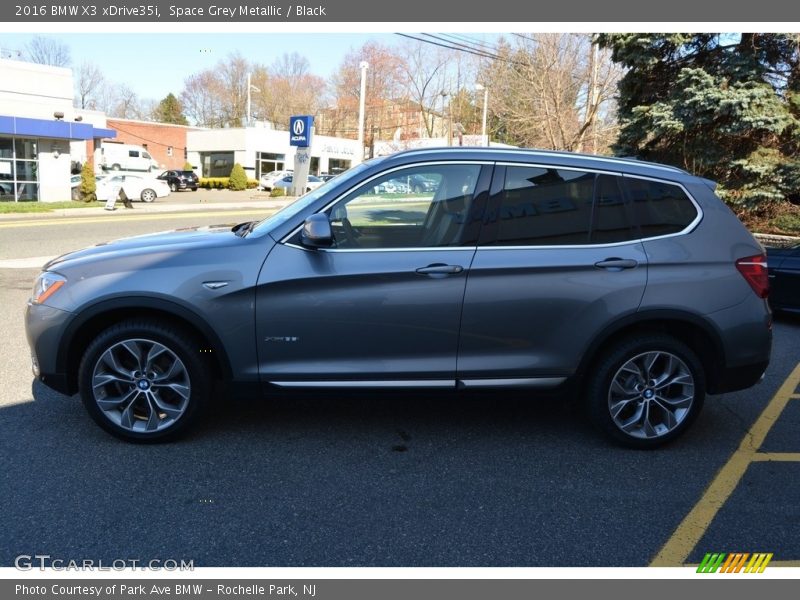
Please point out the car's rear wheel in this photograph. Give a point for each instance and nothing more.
(115, 167)
(148, 195)
(173, 187)
(646, 391)
(143, 381)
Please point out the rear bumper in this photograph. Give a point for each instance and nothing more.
(733, 379)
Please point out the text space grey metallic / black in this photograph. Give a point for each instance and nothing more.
(627, 283)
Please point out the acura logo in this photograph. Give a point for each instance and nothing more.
(299, 127)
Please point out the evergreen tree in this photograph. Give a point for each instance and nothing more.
(238, 179)
(723, 106)
(170, 110)
(88, 183)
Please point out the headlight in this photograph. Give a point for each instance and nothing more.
(46, 285)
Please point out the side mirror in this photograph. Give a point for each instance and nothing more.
(317, 232)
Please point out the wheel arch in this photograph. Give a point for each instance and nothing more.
(94, 319)
(694, 331)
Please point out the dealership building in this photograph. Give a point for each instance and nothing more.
(261, 149)
(41, 133)
(44, 139)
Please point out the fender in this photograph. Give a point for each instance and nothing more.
(136, 304)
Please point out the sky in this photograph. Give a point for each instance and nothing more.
(156, 64)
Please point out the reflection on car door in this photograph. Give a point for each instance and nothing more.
(558, 255)
(383, 304)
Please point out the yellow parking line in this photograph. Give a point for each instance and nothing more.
(777, 456)
(187, 215)
(694, 525)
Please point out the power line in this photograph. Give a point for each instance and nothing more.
(471, 40)
(461, 48)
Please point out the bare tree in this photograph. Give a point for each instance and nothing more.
(385, 98)
(287, 88)
(426, 73)
(90, 78)
(553, 91)
(202, 99)
(47, 51)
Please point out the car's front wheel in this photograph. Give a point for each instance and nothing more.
(646, 391)
(173, 187)
(148, 195)
(144, 381)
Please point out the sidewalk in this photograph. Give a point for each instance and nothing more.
(176, 202)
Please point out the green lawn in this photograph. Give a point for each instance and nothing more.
(11, 207)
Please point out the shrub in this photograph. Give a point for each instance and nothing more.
(187, 166)
(277, 192)
(238, 178)
(88, 183)
(214, 183)
(252, 184)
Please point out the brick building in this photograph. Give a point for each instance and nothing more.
(166, 143)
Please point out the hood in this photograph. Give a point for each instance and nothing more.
(175, 240)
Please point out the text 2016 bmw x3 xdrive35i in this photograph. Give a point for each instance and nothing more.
(628, 283)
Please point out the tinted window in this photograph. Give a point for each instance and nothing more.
(544, 207)
(659, 208)
(390, 212)
(612, 220)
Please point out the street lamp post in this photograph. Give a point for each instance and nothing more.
(250, 87)
(361, 103)
(444, 96)
(485, 89)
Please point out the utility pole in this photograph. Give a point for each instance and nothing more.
(361, 105)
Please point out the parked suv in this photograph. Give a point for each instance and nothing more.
(628, 284)
(180, 180)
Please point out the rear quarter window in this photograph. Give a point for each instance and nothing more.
(659, 208)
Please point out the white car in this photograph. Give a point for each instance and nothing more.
(285, 183)
(267, 181)
(75, 185)
(145, 189)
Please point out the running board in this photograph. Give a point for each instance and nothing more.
(526, 382)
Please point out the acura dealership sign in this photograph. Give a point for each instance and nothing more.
(300, 130)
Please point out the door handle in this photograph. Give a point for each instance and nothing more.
(616, 264)
(440, 269)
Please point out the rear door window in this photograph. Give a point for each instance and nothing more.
(659, 208)
(543, 207)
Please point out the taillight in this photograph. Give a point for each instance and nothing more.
(754, 270)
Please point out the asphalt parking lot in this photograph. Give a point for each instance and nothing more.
(387, 480)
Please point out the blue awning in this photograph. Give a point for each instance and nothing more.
(63, 130)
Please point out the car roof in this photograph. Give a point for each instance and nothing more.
(532, 155)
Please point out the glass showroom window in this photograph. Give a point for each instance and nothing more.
(268, 162)
(19, 169)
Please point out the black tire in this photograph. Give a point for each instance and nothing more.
(115, 167)
(642, 386)
(179, 366)
(173, 187)
(148, 195)
(194, 189)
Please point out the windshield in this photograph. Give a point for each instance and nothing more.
(308, 199)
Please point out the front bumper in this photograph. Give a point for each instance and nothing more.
(44, 328)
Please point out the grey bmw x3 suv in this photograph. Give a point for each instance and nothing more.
(628, 284)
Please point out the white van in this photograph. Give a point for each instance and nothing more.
(126, 157)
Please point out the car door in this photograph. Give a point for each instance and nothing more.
(382, 305)
(557, 261)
